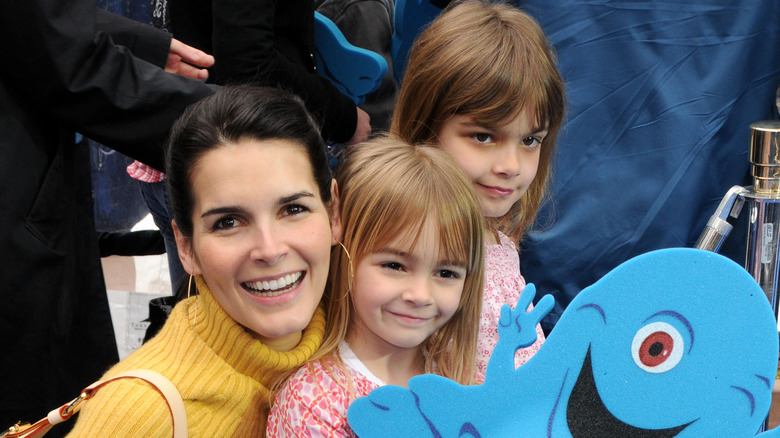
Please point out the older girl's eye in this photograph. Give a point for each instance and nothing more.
(483, 137)
(532, 142)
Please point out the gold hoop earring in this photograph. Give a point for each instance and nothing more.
(351, 272)
(195, 305)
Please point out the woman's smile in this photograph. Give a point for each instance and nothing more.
(271, 288)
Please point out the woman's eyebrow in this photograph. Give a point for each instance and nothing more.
(294, 197)
(222, 210)
(238, 209)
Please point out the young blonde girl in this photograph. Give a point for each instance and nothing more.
(405, 290)
(481, 83)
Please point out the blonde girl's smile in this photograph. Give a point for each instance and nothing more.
(410, 320)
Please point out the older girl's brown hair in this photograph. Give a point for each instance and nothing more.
(489, 61)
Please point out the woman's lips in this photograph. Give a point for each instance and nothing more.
(279, 286)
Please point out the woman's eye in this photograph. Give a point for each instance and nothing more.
(483, 138)
(294, 209)
(531, 141)
(226, 223)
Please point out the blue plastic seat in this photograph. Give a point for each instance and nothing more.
(355, 71)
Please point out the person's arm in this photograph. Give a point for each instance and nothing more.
(79, 78)
(246, 49)
(146, 42)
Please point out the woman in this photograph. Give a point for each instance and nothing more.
(255, 217)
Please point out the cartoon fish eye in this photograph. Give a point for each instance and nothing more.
(657, 347)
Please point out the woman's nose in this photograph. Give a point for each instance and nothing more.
(268, 245)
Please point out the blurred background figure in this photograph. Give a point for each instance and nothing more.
(101, 75)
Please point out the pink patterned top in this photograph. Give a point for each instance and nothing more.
(314, 402)
(503, 284)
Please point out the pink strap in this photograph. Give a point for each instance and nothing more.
(64, 412)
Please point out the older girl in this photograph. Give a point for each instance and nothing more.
(481, 83)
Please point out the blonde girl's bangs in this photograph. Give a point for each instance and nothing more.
(404, 218)
(384, 200)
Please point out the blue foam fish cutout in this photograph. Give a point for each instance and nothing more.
(672, 343)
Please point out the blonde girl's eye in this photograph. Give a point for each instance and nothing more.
(394, 266)
(447, 273)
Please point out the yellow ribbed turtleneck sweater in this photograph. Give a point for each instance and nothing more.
(220, 370)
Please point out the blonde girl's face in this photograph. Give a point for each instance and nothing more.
(403, 294)
(261, 236)
(501, 161)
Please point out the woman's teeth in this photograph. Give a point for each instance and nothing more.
(274, 287)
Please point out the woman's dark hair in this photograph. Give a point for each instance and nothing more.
(231, 114)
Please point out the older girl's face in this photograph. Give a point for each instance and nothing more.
(501, 161)
(261, 236)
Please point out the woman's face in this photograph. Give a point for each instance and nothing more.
(261, 236)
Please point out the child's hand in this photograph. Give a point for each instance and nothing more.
(517, 328)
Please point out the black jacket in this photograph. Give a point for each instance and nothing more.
(268, 42)
(60, 75)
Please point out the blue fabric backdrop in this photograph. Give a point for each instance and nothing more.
(661, 94)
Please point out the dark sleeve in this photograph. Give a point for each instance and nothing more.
(146, 42)
(246, 49)
(71, 72)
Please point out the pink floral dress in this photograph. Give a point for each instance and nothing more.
(503, 285)
(314, 401)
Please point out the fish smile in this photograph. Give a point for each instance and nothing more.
(275, 287)
(588, 417)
